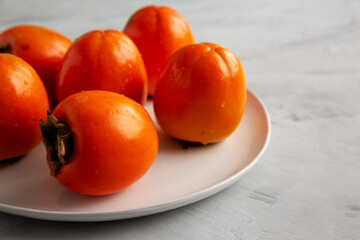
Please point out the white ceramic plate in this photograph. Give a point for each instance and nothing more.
(179, 176)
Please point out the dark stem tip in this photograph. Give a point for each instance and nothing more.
(57, 138)
(5, 47)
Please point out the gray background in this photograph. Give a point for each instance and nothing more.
(303, 59)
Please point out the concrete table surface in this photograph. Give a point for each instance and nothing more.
(302, 58)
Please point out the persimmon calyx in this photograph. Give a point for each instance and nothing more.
(5, 47)
(58, 140)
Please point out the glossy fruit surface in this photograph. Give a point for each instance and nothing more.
(103, 60)
(158, 32)
(41, 47)
(106, 141)
(201, 94)
(23, 102)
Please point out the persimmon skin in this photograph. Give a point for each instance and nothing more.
(23, 102)
(103, 60)
(201, 94)
(42, 48)
(158, 32)
(114, 142)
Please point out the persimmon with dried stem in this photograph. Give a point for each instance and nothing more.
(99, 142)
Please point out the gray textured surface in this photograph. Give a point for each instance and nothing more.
(303, 59)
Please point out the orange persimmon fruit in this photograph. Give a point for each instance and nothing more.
(23, 102)
(99, 142)
(158, 32)
(103, 60)
(42, 48)
(201, 94)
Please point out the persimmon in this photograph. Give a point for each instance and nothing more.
(201, 94)
(158, 32)
(23, 102)
(41, 47)
(99, 142)
(103, 60)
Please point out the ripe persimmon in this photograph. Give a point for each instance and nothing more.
(23, 102)
(201, 94)
(99, 142)
(41, 47)
(158, 32)
(103, 60)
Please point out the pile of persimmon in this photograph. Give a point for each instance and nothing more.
(99, 138)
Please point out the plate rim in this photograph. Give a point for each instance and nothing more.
(148, 210)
